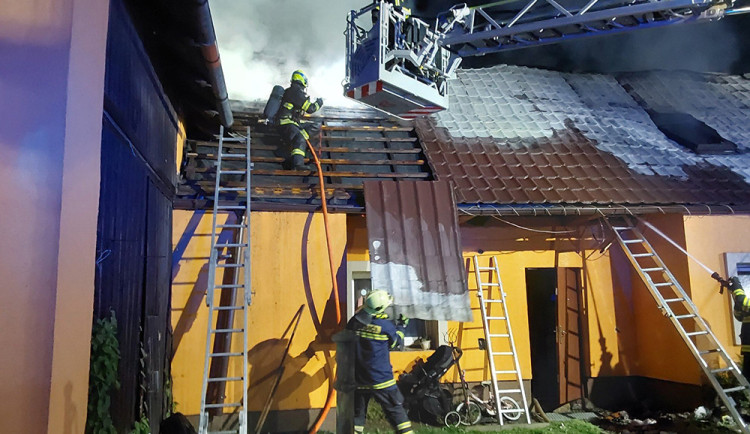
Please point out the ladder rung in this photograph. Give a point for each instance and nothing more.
(503, 353)
(505, 372)
(648, 270)
(231, 226)
(233, 155)
(230, 245)
(509, 391)
(232, 189)
(663, 284)
(225, 354)
(217, 379)
(229, 286)
(712, 350)
(500, 335)
(632, 241)
(642, 255)
(672, 300)
(690, 315)
(714, 371)
(223, 432)
(232, 172)
(230, 207)
(734, 389)
(227, 331)
(229, 307)
(224, 405)
(702, 332)
(230, 265)
(623, 228)
(496, 300)
(486, 268)
(234, 139)
(495, 317)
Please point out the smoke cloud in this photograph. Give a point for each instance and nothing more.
(262, 42)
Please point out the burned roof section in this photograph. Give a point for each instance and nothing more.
(354, 146)
(517, 135)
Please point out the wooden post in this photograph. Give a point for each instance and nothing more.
(345, 384)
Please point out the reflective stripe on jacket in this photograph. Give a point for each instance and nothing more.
(294, 104)
(372, 369)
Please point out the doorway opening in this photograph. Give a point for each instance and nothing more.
(541, 298)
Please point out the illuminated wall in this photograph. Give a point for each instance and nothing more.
(52, 57)
(290, 269)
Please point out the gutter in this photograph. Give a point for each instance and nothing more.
(580, 210)
(210, 53)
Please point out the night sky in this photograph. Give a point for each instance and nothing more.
(718, 46)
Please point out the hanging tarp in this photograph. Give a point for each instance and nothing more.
(415, 251)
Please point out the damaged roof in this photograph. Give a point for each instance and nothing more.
(516, 135)
(354, 145)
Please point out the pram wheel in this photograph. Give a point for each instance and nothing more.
(452, 418)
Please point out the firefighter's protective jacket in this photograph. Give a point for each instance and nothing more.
(741, 311)
(294, 104)
(376, 337)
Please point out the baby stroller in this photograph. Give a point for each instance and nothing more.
(425, 399)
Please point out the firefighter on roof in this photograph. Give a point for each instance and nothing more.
(373, 373)
(294, 104)
(742, 313)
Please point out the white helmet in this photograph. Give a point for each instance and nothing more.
(377, 301)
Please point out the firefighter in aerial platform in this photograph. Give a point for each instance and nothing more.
(742, 313)
(294, 134)
(373, 373)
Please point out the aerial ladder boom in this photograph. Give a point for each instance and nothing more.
(401, 64)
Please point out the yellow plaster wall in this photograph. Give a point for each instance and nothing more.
(708, 238)
(290, 269)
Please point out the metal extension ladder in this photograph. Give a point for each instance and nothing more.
(674, 302)
(503, 339)
(235, 256)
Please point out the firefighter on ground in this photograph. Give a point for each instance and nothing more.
(742, 313)
(294, 104)
(373, 373)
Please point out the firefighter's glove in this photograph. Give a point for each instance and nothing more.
(319, 102)
(402, 320)
(734, 283)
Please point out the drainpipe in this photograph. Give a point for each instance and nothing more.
(210, 52)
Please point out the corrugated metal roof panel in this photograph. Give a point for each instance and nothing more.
(415, 250)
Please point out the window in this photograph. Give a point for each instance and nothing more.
(738, 264)
(418, 335)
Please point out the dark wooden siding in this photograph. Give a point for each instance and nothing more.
(135, 220)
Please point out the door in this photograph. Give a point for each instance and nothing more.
(543, 311)
(569, 333)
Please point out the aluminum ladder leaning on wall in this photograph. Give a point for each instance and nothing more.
(675, 304)
(503, 339)
(227, 255)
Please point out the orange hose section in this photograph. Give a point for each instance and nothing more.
(331, 390)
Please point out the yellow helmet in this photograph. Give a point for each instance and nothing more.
(377, 301)
(300, 77)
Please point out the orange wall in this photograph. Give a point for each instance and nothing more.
(708, 238)
(289, 269)
(50, 137)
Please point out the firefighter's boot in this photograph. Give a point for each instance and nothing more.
(298, 163)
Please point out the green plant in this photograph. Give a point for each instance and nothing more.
(141, 426)
(105, 358)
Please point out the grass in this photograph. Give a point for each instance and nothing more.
(377, 424)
